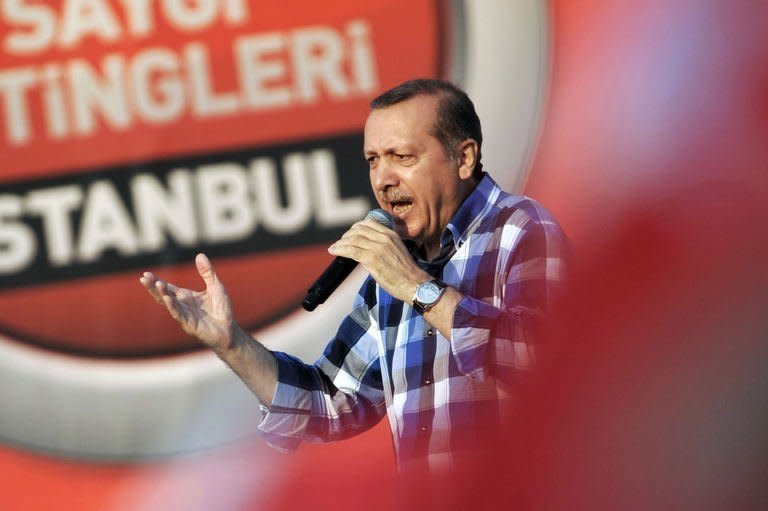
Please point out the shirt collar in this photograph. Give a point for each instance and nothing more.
(463, 223)
(470, 213)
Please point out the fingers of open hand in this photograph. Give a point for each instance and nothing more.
(186, 308)
(163, 292)
(150, 283)
(177, 309)
(166, 289)
(202, 314)
(205, 270)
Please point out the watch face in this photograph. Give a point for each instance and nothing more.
(428, 292)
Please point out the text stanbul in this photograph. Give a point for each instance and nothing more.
(215, 204)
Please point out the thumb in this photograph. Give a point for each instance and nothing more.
(205, 270)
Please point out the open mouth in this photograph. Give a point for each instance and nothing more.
(401, 207)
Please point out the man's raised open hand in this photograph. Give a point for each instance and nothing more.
(205, 314)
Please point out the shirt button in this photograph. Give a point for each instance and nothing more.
(427, 382)
(423, 429)
(430, 332)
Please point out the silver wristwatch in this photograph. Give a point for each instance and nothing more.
(427, 295)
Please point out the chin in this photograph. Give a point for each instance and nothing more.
(407, 230)
(402, 230)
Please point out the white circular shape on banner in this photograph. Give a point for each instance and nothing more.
(507, 77)
(117, 410)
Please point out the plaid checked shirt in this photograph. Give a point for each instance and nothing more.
(504, 253)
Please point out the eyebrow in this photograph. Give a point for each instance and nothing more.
(392, 150)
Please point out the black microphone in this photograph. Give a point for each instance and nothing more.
(339, 269)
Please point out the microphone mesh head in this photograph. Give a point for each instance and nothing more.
(381, 216)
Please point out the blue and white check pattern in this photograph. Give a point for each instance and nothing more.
(505, 255)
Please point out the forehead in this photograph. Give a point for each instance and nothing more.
(405, 121)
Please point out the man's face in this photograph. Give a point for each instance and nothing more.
(410, 172)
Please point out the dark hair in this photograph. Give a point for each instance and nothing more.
(456, 116)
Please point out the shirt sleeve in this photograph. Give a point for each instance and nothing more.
(495, 328)
(339, 396)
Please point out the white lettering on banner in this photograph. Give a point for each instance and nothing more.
(205, 102)
(13, 88)
(90, 95)
(166, 101)
(17, 241)
(39, 22)
(159, 210)
(226, 211)
(298, 209)
(53, 206)
(362, 52)
(105, 225)
(41, 29)
(138, 16)
(215, 203)
(187, 15)
(256, 69)
(53, 98)
(326, 191)
(159, 85)
(85, 18)
(310, 69)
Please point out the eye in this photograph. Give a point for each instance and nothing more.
(405, 159)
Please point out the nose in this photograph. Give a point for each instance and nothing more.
(384, 175)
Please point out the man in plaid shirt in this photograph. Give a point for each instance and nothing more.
(446, 319)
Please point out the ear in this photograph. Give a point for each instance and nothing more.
(468, 150)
